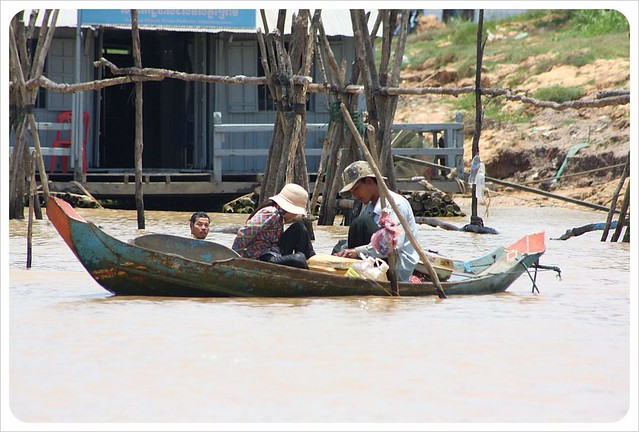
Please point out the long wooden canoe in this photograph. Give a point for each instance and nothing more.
(166, 265)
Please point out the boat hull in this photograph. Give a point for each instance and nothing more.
(193, 269)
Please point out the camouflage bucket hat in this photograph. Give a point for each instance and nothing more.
(354, 172)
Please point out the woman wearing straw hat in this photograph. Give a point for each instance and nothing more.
(360, 183)
(263, 236)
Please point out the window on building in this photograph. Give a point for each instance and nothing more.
(41, 100)
(265, 99)
(61, 69)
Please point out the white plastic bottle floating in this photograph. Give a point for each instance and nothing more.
(474, 168)
(480, 181)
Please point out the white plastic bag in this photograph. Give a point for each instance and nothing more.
(369, 268)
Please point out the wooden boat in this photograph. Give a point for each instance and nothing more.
(166, 265)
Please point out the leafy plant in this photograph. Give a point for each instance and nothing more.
(559, 93)
(595, 22)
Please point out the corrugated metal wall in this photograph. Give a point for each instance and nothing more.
(239, 104)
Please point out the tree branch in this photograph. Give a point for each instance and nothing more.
(132, 75)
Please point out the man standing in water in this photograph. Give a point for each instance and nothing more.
(200, 222)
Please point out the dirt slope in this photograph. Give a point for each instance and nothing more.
(522, 153)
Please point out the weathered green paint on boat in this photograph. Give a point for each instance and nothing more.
(163, 265)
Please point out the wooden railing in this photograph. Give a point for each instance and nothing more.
(50, 151)
(451, 154)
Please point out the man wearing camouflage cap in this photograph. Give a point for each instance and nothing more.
(361, 184)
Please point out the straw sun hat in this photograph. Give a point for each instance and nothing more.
(293, 198)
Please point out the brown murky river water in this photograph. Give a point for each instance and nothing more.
(74, 353)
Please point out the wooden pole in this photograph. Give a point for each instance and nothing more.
(390, 102)
(342, 149)
(37, 67)
(27, 99)
(271, 68)
(139, 137)
(421, 162)
(392, 255)
(380, 181)
(32, 195)
(37, 208)
(548, 194)
(615, 197)
(87, 193)
(622, 215)
(517, 186)
(478, 110)
(155, 74)
(27, 102)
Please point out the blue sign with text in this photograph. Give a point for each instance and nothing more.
(201, 18)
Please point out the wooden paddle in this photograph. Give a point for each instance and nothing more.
(380, 181)
(392, 255)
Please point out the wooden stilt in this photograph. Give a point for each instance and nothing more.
(32, 196)
(615, 197)
(139, 137)
(622, 215)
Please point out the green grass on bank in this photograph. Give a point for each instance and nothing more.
(570, 37)
(552, 37)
